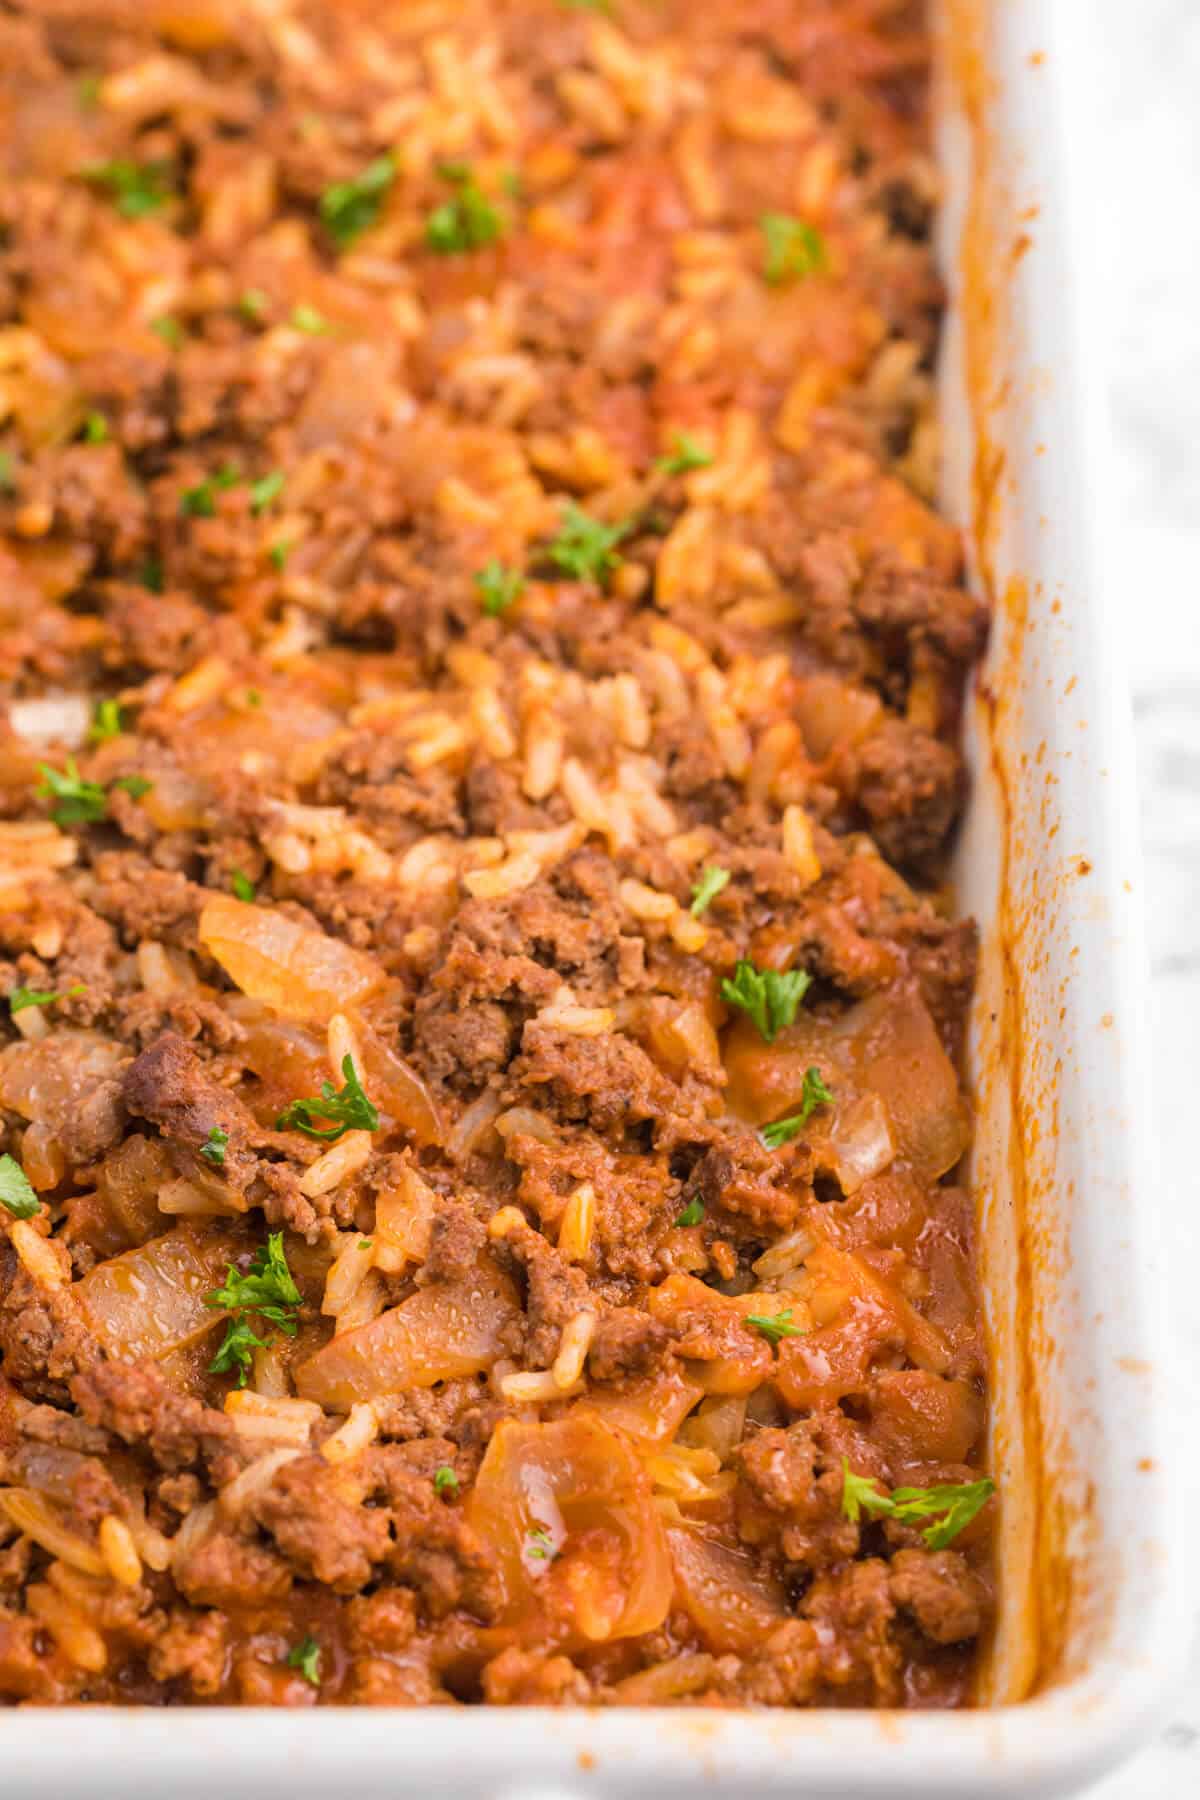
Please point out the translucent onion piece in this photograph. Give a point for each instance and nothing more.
(301, 973)
(731, 1599)
(37, 1518)
(860, 1142)
(455, 1328)
(648, 1409)
(149, 1301)
(887, 1045)
(578, 1493)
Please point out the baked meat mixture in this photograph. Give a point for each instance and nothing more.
(482, 673)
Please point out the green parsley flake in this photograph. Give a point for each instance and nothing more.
(585, 548)
(252, 304)
(539, 1545)
(792, 248)
(16, 1195)
(692, 1213)
(242, 886)
(76, 802)
(21, 997)
(712, 882)
(151, 575)
(306, 1657)
(306, 318)
(767, 996)
(951, 1507)
(349, 208)
(266, 1291)
(95, 428)
(686, 454)
(596, 6)
(136, 189)
(350, 1109)
(213, 1147)
(87, 91)
(133, 785)
(200, 502)
(107, 722)
(469, 221)
(169, 330)
(8, 468)
(498, 587)
(445, 1481)
(263, 492)
(814, 1093)
(280, 552)
(774, 1326)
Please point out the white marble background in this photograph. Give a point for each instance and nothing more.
(1135, 65)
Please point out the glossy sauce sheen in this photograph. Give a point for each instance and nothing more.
(481, 456)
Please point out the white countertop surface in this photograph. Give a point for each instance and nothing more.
(1139, 63)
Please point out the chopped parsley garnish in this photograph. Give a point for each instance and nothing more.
(814, 1093)
(686, 454)
(599, 6)
(169, 330)
(774, 1326)
(21, 997)
(280, 552)
(692, 1213)
(136, 189)
(8, 464)
(107, 722)
(445, 1481)
(263, 492)
(791, 248)
(95, 428)
(350, 1109)
(469, 221)
(87, 91)
(133, 785)
(306, 318)
(242, 886)
(200, 502)
(151, 575)
(16, 1195)
(366, 1243)
(586, 547)
(253, 697)
(252, 303)
(213, 1147)
(538, 1543)
(498, 587)
(349, 208)
(712, 882)
(266, 1291)
(306, 1656)
(768, 996)
(76, 802)
(951, 1507)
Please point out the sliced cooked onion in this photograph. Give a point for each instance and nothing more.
(860, 1143)
(34, 1515)
(473, 1125)
(302, 973)
(732, 1600)
(455, 1328)
(541, 1487)
(150, 1301)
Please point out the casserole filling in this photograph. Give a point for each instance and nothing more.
(479, 1086)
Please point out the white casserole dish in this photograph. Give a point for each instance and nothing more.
(1094, 1612)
